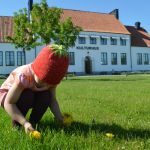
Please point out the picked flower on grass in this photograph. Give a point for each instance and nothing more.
(35, 135)
(67, 119)
(109, 135)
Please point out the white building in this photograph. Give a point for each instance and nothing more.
(104, 46)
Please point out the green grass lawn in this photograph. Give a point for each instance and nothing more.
(99, 105)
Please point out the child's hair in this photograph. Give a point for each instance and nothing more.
(49, 66)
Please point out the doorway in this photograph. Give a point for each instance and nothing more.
(88, 65)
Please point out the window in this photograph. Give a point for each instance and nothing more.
(104, 58)
(103, 41)
(139, 58)
(92, 40)
(1, 58)
(71, 58)
(123, 42)
(114, 58)
(20, 58)
(81, 40)
(123, 59)
(146, 59)
(9, 58)
(113, 41)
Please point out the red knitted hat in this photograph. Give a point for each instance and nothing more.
(51, 64)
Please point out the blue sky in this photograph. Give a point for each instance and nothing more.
(130, 11)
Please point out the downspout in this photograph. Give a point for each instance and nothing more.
(35, 53)
(24, 53)
(30, 6)
(130, 55)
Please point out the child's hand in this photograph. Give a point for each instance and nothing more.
(28, 127)
(65, 120)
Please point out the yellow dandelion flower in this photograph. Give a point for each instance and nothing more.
(109, 135)
(67, 119)
(35, 135)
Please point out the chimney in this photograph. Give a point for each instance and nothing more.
(115, 12)
(137, 25)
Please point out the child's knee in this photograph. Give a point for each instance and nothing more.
(28, 93)
(26, 98)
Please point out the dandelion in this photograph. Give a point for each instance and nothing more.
(35, 135)
(109, 135)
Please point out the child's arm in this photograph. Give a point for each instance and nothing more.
(11, 108)
(54, 106)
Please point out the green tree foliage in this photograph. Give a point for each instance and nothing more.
(45, 20)
(66, 33)
(23, 33)
(49, 26)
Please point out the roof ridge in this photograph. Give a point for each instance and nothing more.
(7, 16)
(74, 10)
(85, 11)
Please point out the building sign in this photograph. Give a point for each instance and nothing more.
(87, 48)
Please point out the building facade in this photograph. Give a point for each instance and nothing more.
(104, 46)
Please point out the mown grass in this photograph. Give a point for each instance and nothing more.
(99, 105)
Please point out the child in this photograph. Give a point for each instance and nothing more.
(34, 86)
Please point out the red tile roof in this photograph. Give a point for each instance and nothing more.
(139, 37)
(90, 22)
(95, 22)
(6, 28)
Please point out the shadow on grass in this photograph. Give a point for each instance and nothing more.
(79, 128)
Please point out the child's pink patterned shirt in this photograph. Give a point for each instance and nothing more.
(23, 76)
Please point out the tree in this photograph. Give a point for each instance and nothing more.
(46, 24)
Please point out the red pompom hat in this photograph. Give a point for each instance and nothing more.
(51, 64)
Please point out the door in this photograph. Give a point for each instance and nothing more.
(88, 65)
